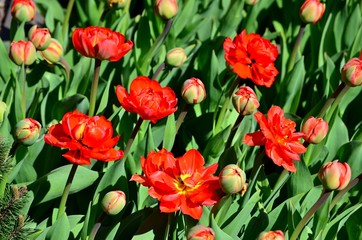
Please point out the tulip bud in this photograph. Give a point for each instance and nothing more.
(315, 130)
(27, 131)
(119, 3)
(113, 202)
(335, 175)
(176, 57)
(40, 37)
(193, 91)
(271, 235)
(232, 179)
(53, 52)
(166, 9)
(200, 232)
(23, 10)
(312, 11)
(2, 111)
(22, 52)
(251, 2)
(245, 101)
(352, 72)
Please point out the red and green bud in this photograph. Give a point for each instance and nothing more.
(27, 131)
(200, 232)
(166, 9)
(22, 52)
(113, 202)
(315, 130)
(23, 10)
(176, 57)
(232, 179)
(40, 37)
(193, 91)
(53, 52)
(245, 101)
(352, 72)
(312, 11)
(271, 235)
(251, 2)
(335, 175)
(117, 3)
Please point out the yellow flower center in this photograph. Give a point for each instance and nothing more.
(185, 187)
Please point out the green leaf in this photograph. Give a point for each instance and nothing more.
(60, 229)
(301, 175)
(321, 217)
(170, 132)
(105, 97)
(6, 64)
(352, 27)
(51, 186)
(349, 153)
(219, 233)
(216, 145)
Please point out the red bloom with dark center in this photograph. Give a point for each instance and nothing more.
(85, 137)
(278, 135)
(148, 99)
(101, 43)
(253, 57)
(179, 183)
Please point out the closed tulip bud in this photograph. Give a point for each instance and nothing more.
(40, 37)
(176, 57)
(53, 52)
(22, 52)
(3, 108)
(27, 131)
(251, 2)
(245, 101)
(117, 3)
(23, 10)
(193, 91)
(335, 175)
(232, 179)
(200, 232)
(315, 130)
(113, 202)
(312, 11)
(352, 72)
(166, 9)
(271, 235)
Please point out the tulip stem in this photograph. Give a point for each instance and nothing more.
(66, 18)
(293, 55)
(224, 108)
(148, 56)
(97, 226)
(167, 230)
(159, 70)
(181, 117)
(66, 67)
(234, 129)
(337, 101)
(64, 198)
(129, 145)
(94, 88)
(309, 214)
(23, 97)
(331, 100)
(343, 191)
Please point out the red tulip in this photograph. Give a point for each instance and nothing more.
(335, 175)
(245, 100)
(179, 183)
(148, 99)
(278, 135)
(352, 72)
(85, 137)
(101, 43)
(252, 57)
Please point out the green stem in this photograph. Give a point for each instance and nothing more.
(331, 99)
(129, 145)
(225, 106)
(167, 230)
(343, 191)
(66, 67)
(309, 214)
(159, 70)
(64, 198)
(94, 88)
(293, 55)
(23, 97)
(148, 56)
(97, 226)
(66, 18)
(336, 102)
(234, 130)
(181, 117)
